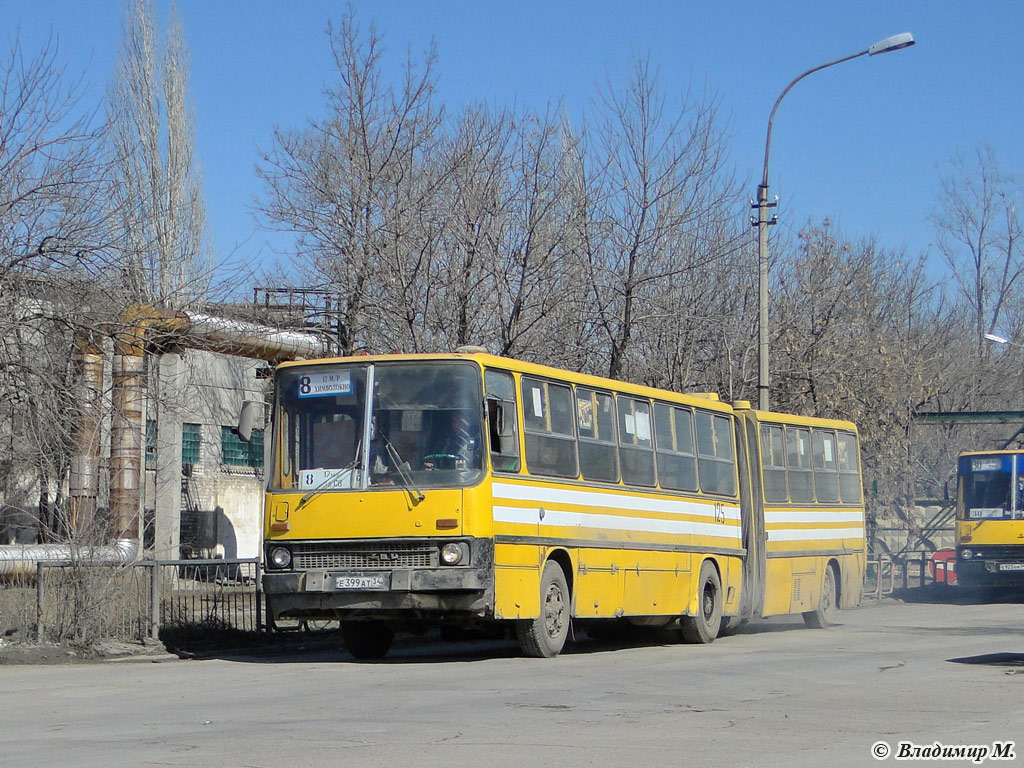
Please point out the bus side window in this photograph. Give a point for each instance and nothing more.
(826, 477)
(849, 467)
(773, 462)
(636, 444)
(716, 463)
(503, 436)
(595, 424)
(798, 463)
(549, 426)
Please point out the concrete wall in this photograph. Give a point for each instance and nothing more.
(213, 508)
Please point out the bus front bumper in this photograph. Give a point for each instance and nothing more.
(336, 592)
(990, 571)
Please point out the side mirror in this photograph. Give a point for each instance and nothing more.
(245, 419)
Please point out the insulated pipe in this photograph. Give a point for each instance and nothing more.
(235, 337)
(126, 434)
(23, 558)
(84, 481)
(137, 326)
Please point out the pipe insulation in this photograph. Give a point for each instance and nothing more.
(19, 559)
(236, 337)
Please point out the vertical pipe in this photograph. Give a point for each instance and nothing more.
(84, 481)
(259, 600)
(39, 602)
(126, 436)
(154, 601)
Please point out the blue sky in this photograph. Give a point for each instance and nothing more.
(863, 143)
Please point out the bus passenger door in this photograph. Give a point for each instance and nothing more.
(752, 515)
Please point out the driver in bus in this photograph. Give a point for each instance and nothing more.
(1018, 509)
(459, 447)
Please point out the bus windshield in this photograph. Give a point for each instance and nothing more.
(986, 487)
(422, 427)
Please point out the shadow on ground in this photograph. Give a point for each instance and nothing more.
(943, 594)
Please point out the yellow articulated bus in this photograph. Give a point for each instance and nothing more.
(469, 490)
(990, 518)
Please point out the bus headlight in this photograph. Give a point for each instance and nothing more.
(452, 554)
(966, 554)
(279, 557)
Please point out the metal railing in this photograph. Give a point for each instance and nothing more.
(205, 595)
(884, 574)
(82, 603)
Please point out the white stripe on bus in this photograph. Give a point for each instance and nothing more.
(566, 519)
(778, 516)
(613, 500)
(815, 534)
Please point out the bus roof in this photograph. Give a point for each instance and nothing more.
(708, 400)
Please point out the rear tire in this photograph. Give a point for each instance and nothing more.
(704, 627)
(731, 625)
(544, 636)
(825, 614)
(367, 640)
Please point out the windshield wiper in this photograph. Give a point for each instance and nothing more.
(402, 468)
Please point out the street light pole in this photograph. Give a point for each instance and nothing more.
(763, 221)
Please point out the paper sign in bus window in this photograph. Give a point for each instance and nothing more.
(585, 413)
(538, 403)
(643, 425)
(412, 421)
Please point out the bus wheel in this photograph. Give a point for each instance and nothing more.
(545, 636)
(367, 639)
(731, 625)
(825, 614)
(703, 628)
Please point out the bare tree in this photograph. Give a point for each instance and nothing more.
(351, 186)
(158, 197)
(658, 180)
(979, 236)
(55, 238)
(861, 336)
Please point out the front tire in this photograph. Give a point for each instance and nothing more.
(825, 614)
(704, 627)
(544, 636)
(367, 640)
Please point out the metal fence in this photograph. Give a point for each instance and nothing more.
(81, 603)
(884, 575)
(205, 595)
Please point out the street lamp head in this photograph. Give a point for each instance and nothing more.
(894, 43)
(997, 339)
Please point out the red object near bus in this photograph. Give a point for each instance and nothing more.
(943, 565)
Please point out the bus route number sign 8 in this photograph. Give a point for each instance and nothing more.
(325, 384)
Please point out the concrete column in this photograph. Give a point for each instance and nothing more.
(167, 540)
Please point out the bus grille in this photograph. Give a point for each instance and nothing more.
(352, 556)
(989, 552)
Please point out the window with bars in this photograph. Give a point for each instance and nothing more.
(236, 452)
(150, 449)
(191, 437)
